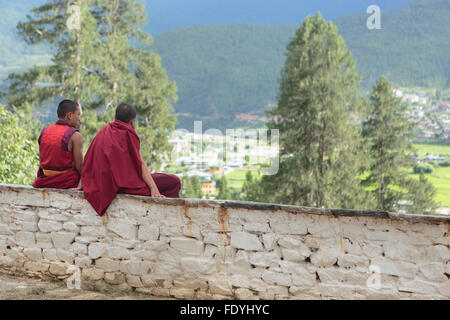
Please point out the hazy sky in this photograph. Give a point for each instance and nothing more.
(169, 14)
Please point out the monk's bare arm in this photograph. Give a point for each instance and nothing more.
(77, 144)
(147, 177)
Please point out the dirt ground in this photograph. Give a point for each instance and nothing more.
(19, 287)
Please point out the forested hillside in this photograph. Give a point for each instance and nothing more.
(15, 54)
(412, 48)
(221, 71)
(225, 70)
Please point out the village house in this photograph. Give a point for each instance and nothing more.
(208, 186)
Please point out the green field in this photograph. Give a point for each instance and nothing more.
(424, 149)
(440, 178)
(236, 178)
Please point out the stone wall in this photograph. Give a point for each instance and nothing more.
(188, 248)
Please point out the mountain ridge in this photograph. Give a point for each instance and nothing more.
(223, 71)
(409, 49)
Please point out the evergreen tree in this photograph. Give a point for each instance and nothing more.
(100, 64)
(186, 188)
(388, 136)
(196, 187)
(251, 189)
(133, 73)
(236, 194)
(420, 195)
(73, 71)
(318, 136)
(224, 192)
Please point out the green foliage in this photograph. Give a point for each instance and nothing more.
(224, 191)
(222, 71)
(433, 164)
(420, 194)
(445, 164)
(388, 134)
(318, 138)
(104, 62)
(191, 187)
(18, 152)
(251, 189)
(432, 141)
(411, 48)
(423, 168)
(91, 122)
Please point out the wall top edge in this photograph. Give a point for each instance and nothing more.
(249, 205)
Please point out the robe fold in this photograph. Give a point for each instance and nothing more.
(66, 180)
(113, 165)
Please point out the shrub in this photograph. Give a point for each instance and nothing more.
(424, 168)
(433, 163)
(19, 155)
(445, 163)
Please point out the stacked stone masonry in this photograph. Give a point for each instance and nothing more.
(205, 249)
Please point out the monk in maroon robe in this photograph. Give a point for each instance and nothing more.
(60, 155)
(113, 164)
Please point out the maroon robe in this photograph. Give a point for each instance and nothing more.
(56, 161)
(113, 165)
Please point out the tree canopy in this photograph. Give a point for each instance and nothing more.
(104, 61)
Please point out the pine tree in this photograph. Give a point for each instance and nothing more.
(420, 195)
(251, 189)
(186, 188)
(72, 72)
(101, 64)
(147, 86)
(224, 192)
(196, 187)
(318, 136)
(388, 136)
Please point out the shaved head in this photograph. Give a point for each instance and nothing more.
(65, 107)
(125, 112)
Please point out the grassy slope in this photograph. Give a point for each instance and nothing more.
(225, 70)
(440, 178)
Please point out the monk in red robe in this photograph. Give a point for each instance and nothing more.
(60, 155)
(113, 164)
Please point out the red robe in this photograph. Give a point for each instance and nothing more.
(113, 165)
(56, 161)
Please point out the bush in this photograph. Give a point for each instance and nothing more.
(423, 168)
(433, 163)
(19, 154)
(445, 163)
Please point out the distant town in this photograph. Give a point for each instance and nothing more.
(246, 153)
(432, 119)
(211, 154)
